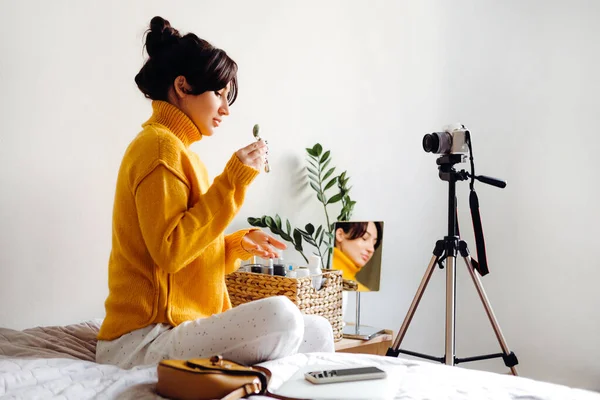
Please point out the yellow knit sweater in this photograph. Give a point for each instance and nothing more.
(343, 263)
(169, 255)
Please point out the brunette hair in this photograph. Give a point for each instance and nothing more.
(205, 67)
(355, 230)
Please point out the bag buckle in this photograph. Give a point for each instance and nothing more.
(252, 388)
(217, 360)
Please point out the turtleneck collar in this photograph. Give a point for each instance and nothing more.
(175, 120)
(343, 263)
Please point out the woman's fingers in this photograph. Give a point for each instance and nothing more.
(253, 155)
(254, 148)
(276, 243)
(261, 244)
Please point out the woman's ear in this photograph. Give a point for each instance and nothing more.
(181, 87)
(339, 235)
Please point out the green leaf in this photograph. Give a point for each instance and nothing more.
(310, 229)
(328, 173)
(286, 237)
(312, 171)
(313, 178)
(321, 198)
(318, 149)
(256, 222)
(330, 183)
(288, 226)
(278, 221)
(324, 166)
(314, 164)
(314, 186)
(305, 235)
(269, 221)
(312, 152)
(325, 157)
(335, 199)
(297, 240)
(319, 229)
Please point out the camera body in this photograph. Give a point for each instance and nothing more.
(453, 140)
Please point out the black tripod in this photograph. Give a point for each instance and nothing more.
(448, 248)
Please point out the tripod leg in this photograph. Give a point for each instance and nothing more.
(450, 309)
(415, 302)
(491, 315)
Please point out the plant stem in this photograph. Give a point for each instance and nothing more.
(303, 256)
(323, 194)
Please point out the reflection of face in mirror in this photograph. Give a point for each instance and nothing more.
(356, 243)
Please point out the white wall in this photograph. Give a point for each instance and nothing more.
(365, 79)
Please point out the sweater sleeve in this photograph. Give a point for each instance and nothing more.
(174, 234)
(234, 250)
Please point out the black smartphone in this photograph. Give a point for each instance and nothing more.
(345, 375)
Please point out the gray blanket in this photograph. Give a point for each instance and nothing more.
(77, 341)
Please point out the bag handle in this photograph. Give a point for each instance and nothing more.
(243, 391)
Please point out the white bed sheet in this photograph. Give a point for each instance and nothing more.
(58, 362)
(420, 380)
(78, 379)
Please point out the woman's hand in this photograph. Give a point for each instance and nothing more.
(254, 154)
(261, 244)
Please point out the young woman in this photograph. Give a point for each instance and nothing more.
(355, 244)
(167, 294)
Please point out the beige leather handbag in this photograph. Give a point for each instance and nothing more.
(211, 378)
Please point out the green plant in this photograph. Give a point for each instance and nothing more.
(321, 237)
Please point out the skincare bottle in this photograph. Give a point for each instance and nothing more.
(255, 266)
(290, 273)
(316, 274)
(268, 269)
(302, 272)
(278, 266)
(244, 267)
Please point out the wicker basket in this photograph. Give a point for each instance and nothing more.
(244, 287)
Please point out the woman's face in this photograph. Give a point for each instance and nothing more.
(359, 250)
(206, 110)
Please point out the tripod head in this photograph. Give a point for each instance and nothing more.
(448, 173)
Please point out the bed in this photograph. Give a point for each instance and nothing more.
(58, 362)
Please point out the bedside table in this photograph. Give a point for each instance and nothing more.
(378, 345)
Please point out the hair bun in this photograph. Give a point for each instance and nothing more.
(160, 36)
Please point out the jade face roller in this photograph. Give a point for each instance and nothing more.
(255, 132)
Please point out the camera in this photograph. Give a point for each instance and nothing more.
(454, 140)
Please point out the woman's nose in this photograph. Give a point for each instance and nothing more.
(224, 110)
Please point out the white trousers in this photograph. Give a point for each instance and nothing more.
(250, 333)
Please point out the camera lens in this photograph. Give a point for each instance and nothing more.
(437, 142)
(431, 143)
